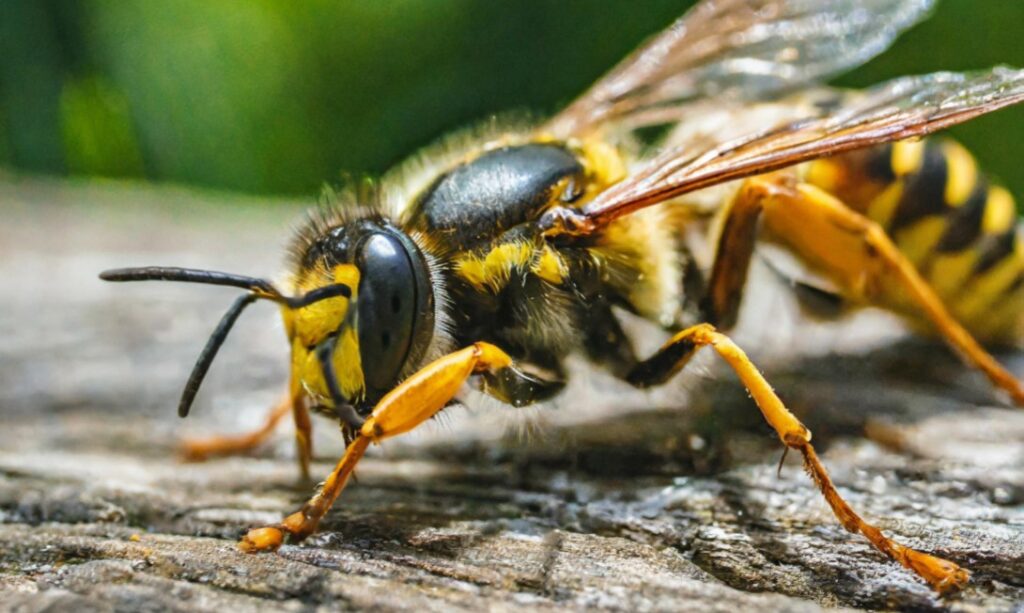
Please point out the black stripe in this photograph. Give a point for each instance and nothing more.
(995, 249)
(963, 223)
(1016, 285)
(878, 165)
(924, 190)
(1013, 287)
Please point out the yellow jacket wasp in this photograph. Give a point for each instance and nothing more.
(490, 258)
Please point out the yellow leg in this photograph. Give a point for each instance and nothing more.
(303, 436)
(728, 278)
(414, 401)
(858, 254)
(199, 449)
(943, 575)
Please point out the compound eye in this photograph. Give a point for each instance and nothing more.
(387, 309)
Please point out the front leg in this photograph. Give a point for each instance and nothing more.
(413, 402)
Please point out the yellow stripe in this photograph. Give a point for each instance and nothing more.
(826, 174)
(918, 241)
(983, 291)
(549, 266)
(1003, 321)
(1000, 211)
(949, 272)
(604, 163)
(907, 157)
(961, 173)
(883, 207)
(494, 269)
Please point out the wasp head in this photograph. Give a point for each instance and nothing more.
(360, 315)
(352, 350)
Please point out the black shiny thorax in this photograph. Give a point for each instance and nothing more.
(495, 191)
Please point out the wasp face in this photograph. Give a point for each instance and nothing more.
(365, 342)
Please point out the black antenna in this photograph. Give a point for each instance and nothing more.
(210, 351)
(189, 275)
(263, 288)
(344, 410)
(260, 289)
(321, 293)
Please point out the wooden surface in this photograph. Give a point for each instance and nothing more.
(611, 499)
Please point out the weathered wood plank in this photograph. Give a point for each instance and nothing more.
(617, 500)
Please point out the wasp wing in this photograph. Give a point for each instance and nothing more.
(903, 108)
(748, 49)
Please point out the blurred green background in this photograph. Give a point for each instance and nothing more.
(277, 97)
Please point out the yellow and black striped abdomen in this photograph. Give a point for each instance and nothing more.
(959, 229)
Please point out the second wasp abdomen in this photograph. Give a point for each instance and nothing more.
(960, 230)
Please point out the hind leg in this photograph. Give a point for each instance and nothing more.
(199, 449)
(850, 248)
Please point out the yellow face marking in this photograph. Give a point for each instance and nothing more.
(1000, 211)
(961, 173)
(306, 371)
(309, 326)
(907, 157)
(307, 374)
(313, 323)
(493, 270)
(348, 364)
(549, 266)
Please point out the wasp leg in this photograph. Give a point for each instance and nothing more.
(303, 435)
(199, 449)
(413, 402)
(943, 575)
(724, 292)
(854, 251)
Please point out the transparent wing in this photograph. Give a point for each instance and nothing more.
(903, 108)
(752, 49)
